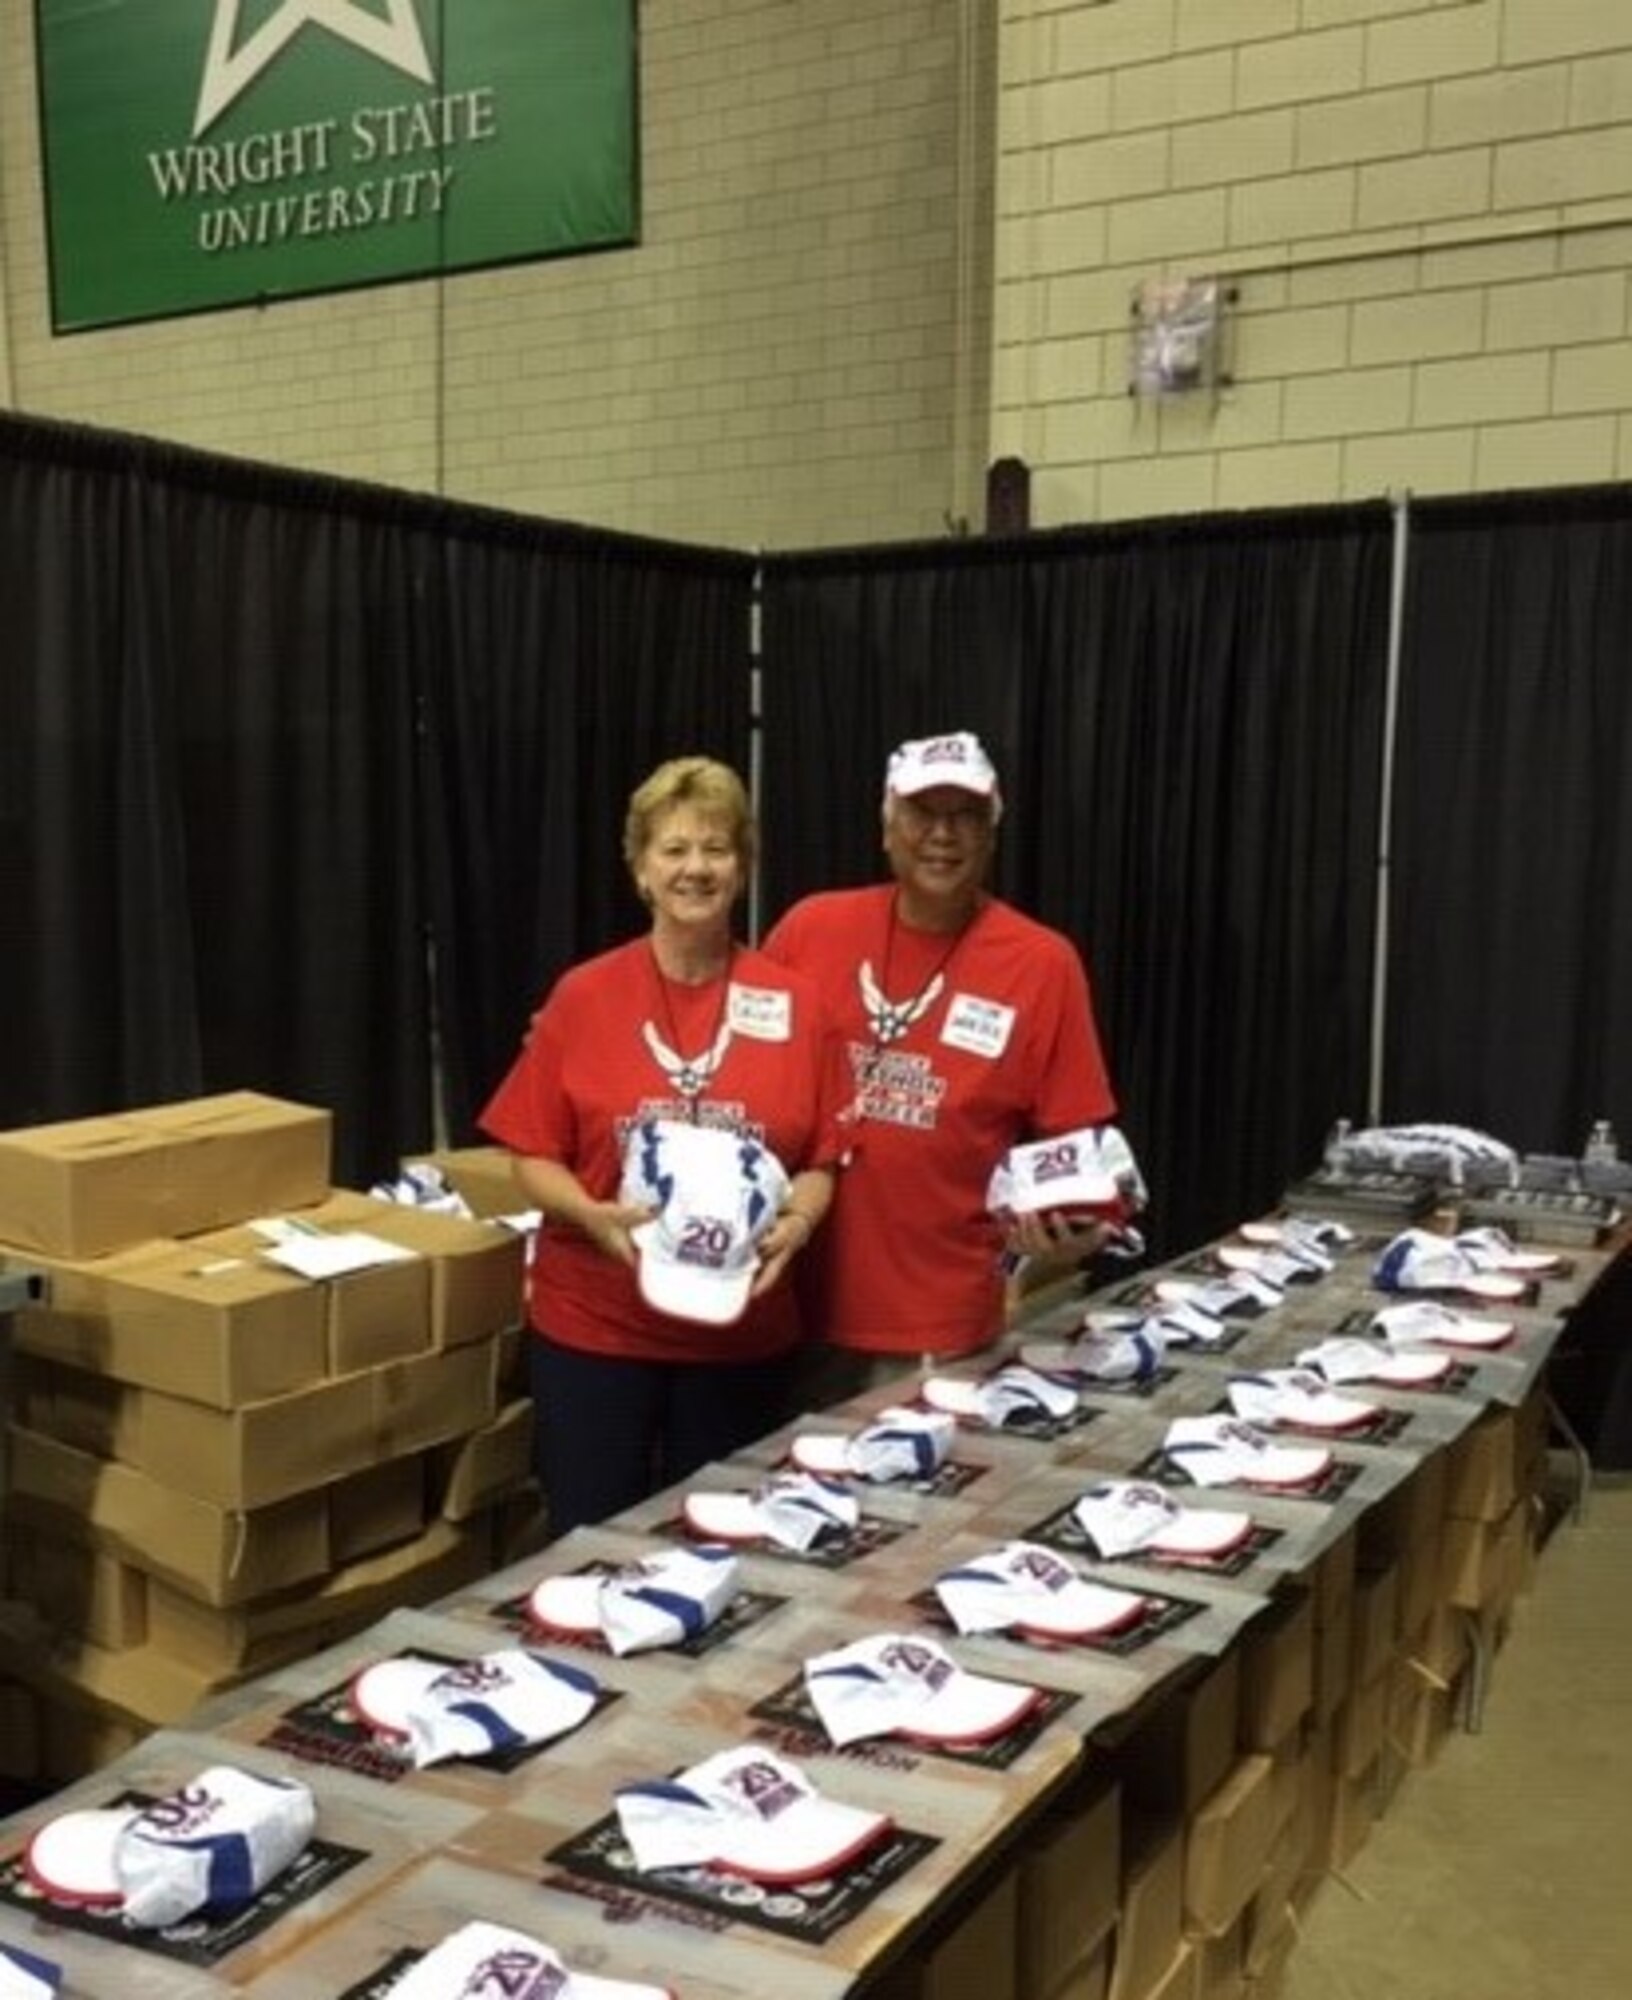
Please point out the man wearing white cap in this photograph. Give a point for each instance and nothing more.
(970, 1027)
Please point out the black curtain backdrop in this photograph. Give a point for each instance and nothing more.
(564, 674)
(1510, 971)
(313, 788)
(97, 994)
(1188, 718)
(276, 752)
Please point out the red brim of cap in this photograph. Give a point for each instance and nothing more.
(1407, 1369)
(70, 1859)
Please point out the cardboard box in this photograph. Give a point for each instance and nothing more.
(1070, 1883)
(1333, 1661)
(1482, 1468)
(91, 1185)
(377, 1508)
(1175, 1751)
(1482, 1561)
(233, 1640)
(478, 1270)
(1227, 1847)
(482, 1176)
(1150, 1924)
(485, 1466)
(216, 1330)
(19, 1731)
(979, 1954)
(1277, 1671)
(1376, 1620)
(1361, 1725)
(370, 1316)
(266, 1452)
(1089, 1979)
(78, 1736)
(222, 1555)
(79, 1591)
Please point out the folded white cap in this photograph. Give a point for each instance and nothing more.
(793, 1510)
(661, 1600)
(900, 1443)
(746, 1810)
(1032, 1590)
(1426, 1322)
(1228, 1451)
(1112, 1348)
(481, 1958)
(1492, 1249)
(1011, 1399)
(716, 1194)
(212, 1844)
(1419, 1261)
(904, 1685)
(1087, 1174)
(1346, 1358)
(1123, 1516)
(505, 1700)
(1296, 1396)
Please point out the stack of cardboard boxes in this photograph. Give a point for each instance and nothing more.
(216, 1461)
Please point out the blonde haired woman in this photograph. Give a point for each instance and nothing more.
(681, 1023)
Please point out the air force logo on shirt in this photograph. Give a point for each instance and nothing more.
(982, 1027)
(760, 1012)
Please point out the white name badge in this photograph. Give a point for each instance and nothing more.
(760, 1013)
(982, 1027)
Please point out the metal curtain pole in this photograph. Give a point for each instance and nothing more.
(1401, 504)
(756, 734)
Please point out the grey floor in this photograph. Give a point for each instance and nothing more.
(1503, 1870)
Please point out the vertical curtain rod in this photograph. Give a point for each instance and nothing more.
(756, 734)
(1401, 504)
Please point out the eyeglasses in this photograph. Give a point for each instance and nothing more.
(918, 819)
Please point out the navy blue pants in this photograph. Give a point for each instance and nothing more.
(607, 1432)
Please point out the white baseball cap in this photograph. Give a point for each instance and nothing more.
(1014, 1398)
(213, 1843)
(1426, 1322)
(504, 1700)
(746, 1810)
(1419, 1261)
(1228, 1451)
(1346, 1358)
(716, 1193)
(899, 1443)
(660, 1600)
(1090, 1172)
(1115, 1346)
(793, 1509)
(1122, 1516)
(1038, 1593)
(959, 760)
(1299, 1397)
(902, 1684)
(482, 1957)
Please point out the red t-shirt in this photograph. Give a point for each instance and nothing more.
(960, 1048)
(599, 1059)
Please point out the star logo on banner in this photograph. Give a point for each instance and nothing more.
(230, 69)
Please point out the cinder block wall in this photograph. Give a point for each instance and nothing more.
(1424, 206)
(797, 352)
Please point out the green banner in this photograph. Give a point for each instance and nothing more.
(208, 153)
